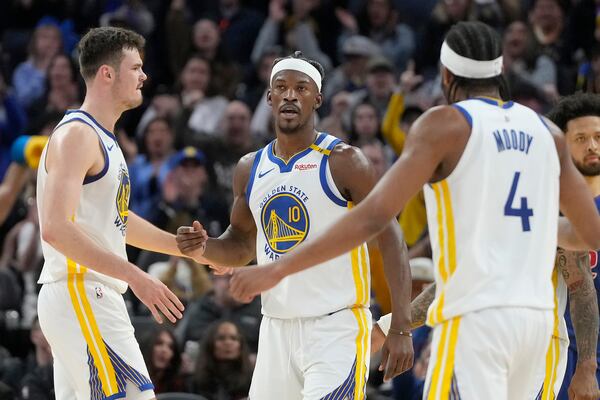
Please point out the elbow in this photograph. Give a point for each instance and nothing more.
(48, 231)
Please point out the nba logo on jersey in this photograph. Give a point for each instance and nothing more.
(285, 223)
(122, 200)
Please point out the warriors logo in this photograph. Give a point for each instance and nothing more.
(285, 222)
(122, 200)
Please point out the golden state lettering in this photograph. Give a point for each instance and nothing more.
(285, 222)
(122, 200)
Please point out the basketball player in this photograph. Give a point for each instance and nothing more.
(314, 335)
(578, 341)
(579, 117)
(83, 193)
(493, 173)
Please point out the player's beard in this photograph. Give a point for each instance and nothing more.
(292, 127)
(588, 170)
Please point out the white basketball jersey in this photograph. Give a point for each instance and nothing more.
(102, 211)
(292, 202)
(493, 220)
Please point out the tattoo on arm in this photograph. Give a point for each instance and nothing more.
(575, 268)
(420, 305)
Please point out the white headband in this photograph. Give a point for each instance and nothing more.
(467, 67)
(296, 64)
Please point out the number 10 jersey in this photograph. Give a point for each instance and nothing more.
(493, 220)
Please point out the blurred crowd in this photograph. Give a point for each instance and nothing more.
(208, 64)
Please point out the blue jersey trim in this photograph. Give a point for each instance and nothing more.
(495, 102)
(92, 178)
(109, 133)
(252, 175)
(287, 166)
(465, 114)
(544, 122)
(323, 177)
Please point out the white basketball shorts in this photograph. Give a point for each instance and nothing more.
(489, 354)
(313, 358)
(95, 352)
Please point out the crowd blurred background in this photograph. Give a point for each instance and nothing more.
(208, 63)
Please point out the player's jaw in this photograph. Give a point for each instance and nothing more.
(290, 118)
(590, 165)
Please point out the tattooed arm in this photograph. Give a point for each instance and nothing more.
(575, 269)
(420, 305)
(418, 313)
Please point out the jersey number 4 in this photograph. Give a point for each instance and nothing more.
(523, 212)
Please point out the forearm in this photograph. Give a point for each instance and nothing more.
(143, 235)
(584, 314)
(70, 240)
(418, 311)
(12, 184)
(353, 229)
(397, 273)
(229, 250)
(420, 305)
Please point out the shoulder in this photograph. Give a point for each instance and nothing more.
(244, 168)
(441, 123)
(348, 163)
(75, 132)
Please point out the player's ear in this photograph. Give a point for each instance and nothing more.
(106, 72)
(269, 101)
(446, 76)
(318, 101)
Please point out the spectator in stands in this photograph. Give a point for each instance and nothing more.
(62, 89)
(184, 277)
(163, 358)
(185, 194)
(148, 168)
(334, 123)
(27, 261)
(239, 27)
(352, 73)
(29, 78)
(204, 38)
(381, 80)
(252, 90)
(219, 304)
(254, 93)
(12, 124)
(379, 22)
(38, 382)
(548, 21)
(291, 30)
(225, 150)
(365, 125)
(133, 14)
(203, 108)
(223, 369)
(523, 60)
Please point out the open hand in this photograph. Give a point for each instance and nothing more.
(248, 282)
(157, 297)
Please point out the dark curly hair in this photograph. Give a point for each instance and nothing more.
(575, 106)
(105, 46)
